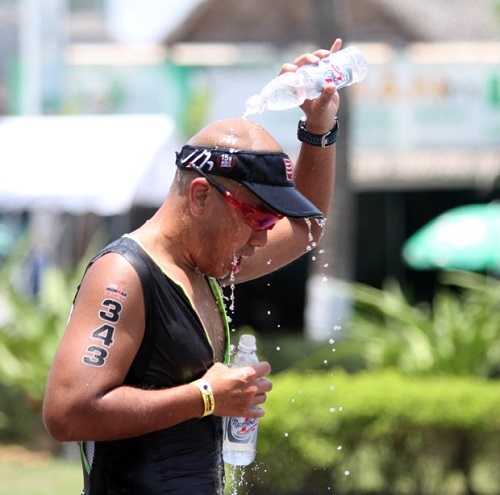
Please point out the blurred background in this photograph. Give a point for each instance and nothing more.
(95, 98)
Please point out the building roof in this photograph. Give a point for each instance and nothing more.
(397, 21)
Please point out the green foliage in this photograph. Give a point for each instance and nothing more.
(378, 433)
(31, 328)
(18, 421)
(458, 335)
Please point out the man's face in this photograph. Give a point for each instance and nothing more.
(241, 222)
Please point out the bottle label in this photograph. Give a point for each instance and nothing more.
(335, 74)
(241, 430)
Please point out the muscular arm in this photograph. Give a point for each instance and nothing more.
(86, 398)
(314, 175)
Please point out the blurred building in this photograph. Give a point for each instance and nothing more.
(282, 23)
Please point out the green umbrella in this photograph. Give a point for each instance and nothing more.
(463, 238)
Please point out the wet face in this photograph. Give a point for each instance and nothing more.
(233, 234)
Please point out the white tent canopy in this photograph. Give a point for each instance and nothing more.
(79, 164)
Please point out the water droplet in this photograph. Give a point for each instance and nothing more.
(269, 262)
(321, 251)
(332, 409)
(331, 341)
(313, 258)
(293, 400)
(324, 279)
(321, 222)
(325, 265)
(325, 361)
(332, 387)
(347, 473)
(286, 434)
(269, 312)
(341, 408)
(339, 447)
(278, 348)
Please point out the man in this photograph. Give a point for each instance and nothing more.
(141, 376)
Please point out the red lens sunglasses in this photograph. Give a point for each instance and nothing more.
(257, 218)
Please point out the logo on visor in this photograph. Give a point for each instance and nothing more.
(288, 168)
(226, 162)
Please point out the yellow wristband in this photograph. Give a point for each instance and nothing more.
(207, 394)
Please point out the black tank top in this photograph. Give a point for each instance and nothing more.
(186, 458)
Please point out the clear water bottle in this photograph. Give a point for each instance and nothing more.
(290, 89)
(240, 434)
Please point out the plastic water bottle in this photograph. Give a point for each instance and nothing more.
(290, 89)
(240, 434)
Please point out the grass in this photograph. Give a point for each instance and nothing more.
(25, 472)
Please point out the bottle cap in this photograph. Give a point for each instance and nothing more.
(247, 343)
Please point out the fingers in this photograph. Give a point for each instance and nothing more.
(288, 68)
(240, 391)
(316, 56)
(262, 368)
(337, 45)
(311, 58)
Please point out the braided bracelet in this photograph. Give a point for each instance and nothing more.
(207, 394)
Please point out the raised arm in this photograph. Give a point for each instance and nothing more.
(314, 175)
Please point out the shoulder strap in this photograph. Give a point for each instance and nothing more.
(140, 265)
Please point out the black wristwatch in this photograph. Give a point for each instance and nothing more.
(322, 140)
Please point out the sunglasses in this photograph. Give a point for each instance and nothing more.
(257, 218)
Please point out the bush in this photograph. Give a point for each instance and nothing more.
(457, 335)
(30, 330)
(378, 433)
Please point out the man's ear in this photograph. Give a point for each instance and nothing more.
(198, 193)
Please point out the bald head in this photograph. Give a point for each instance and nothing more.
(240, 134)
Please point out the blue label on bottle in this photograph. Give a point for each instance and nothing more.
(241, 430)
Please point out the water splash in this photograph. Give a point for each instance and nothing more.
(236, 479)
(237, 484)
(232, 279)
(310, 239)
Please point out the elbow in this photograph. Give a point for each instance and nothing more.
(59, 422)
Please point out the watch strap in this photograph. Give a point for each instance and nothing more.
(321, 140)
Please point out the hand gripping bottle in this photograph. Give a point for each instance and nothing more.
(240, 434)
(290, 89)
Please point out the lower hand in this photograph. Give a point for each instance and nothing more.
(239, 391)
